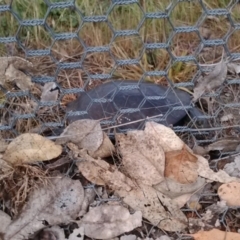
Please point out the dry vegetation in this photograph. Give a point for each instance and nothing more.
(94, 34)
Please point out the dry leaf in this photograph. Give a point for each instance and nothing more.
(230, 193)
(108, 221)
(227, 117)
(225, 144)
(11, 70)
(49, 92)
(4, 165)
(211, 81)
(89, 196)
(173, 189)
(233, 168)
(101, 173)
(165, 136)
(5, 221)
(215, 234)
(106, 149)
(142, 157)
(29, 148)
(23, 81)
(205, 171)
(87, 134)
(58, 203)
(181, 165)
(160, 210)
(233, 68)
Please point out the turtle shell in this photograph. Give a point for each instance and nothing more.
(129, 104)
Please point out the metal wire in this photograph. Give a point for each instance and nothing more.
(146, 46)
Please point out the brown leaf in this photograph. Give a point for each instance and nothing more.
(142, 157)
(181, 165)
(31, 147)
(160, 210)
(106, 149)
(87, 134)
(101, 173)
(215, 234)
(11, 70)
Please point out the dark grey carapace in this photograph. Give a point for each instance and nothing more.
(121, 102)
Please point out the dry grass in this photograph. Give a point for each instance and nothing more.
(17, 182)
(92, 34)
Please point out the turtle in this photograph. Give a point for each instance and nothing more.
(128, 104)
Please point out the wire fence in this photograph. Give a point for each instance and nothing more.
(79, 45)
(72, 47)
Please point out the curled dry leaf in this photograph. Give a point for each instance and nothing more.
(153, 205)
(49, 92)
(87, 134)
(60, 202)
(181, 165)
(109, 221)
(230, 192)
(142, 157)
(31, 147)
(215, 234)
(106, 149)
(211, 81)
(101, 173)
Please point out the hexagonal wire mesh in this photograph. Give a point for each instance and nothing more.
(80, 44)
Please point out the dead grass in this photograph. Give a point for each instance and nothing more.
(92, 34)
(17, 182)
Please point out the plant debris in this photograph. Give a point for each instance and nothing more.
(109, 221)
(11, 70)
(30, 148)
(211, 81)
(156, 176)
(58, 203)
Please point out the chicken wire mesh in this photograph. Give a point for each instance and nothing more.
(78, 45)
